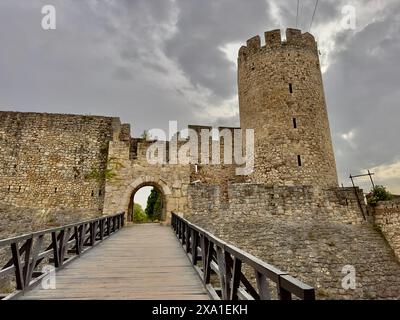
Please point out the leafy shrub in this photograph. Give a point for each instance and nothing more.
(378, 193)
(138, 214)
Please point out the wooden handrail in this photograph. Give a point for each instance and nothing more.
(60, 246)
(212, 256)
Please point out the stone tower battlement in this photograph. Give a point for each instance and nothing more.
(273, 40)
(281, 97)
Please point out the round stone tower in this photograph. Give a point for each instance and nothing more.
(281, 97)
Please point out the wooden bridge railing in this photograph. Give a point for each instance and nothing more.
(58, 246)
(212, 256)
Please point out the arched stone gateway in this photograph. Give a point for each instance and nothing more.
(134, 172)
(155, 182)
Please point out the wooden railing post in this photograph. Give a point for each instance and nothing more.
(236, 273)
(92, 233)
(123, 220)
(222, 271)
(183, 234)
(283, 294)
(17, 265)
(187, 237)
(27, 257)
(108, 226)
(262, 285)
(206, 251)
(101, 229)
(195, 243)
(35, 256)
(56, 255)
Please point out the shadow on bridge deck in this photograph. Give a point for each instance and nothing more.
(139, 262)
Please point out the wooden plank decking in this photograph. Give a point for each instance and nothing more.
(139, 262)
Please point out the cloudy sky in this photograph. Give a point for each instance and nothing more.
(150, 61)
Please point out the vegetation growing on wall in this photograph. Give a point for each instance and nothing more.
(145, 135)
(378, 193)
(108, 173)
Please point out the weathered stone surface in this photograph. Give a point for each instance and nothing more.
(387, 218)
(308, 234)
(45, 158)
(18, 220)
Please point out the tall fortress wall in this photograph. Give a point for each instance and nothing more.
(45, 159)
(281, 97)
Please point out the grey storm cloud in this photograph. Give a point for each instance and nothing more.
(150, 61)
(327, 11)
(362, 88)
(203, 28)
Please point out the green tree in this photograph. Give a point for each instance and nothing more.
(154, 205)
(378, 193)
(138, 213)
(158, 207)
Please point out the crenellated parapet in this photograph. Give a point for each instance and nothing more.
(273, 40)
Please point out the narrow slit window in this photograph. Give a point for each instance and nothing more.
(295, 123)
(299, 160)
(290, 88)
(55, 190)
(99, 193)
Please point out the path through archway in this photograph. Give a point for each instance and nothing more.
(147, 204)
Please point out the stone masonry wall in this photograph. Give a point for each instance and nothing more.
(387, 218)
(281, 97)
(16, 221)
(337, 204)
(311, 234)
(45, 159)
(223, 172)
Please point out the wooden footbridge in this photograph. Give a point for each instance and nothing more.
(104, 259)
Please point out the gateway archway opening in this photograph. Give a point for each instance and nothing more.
(147, 205)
